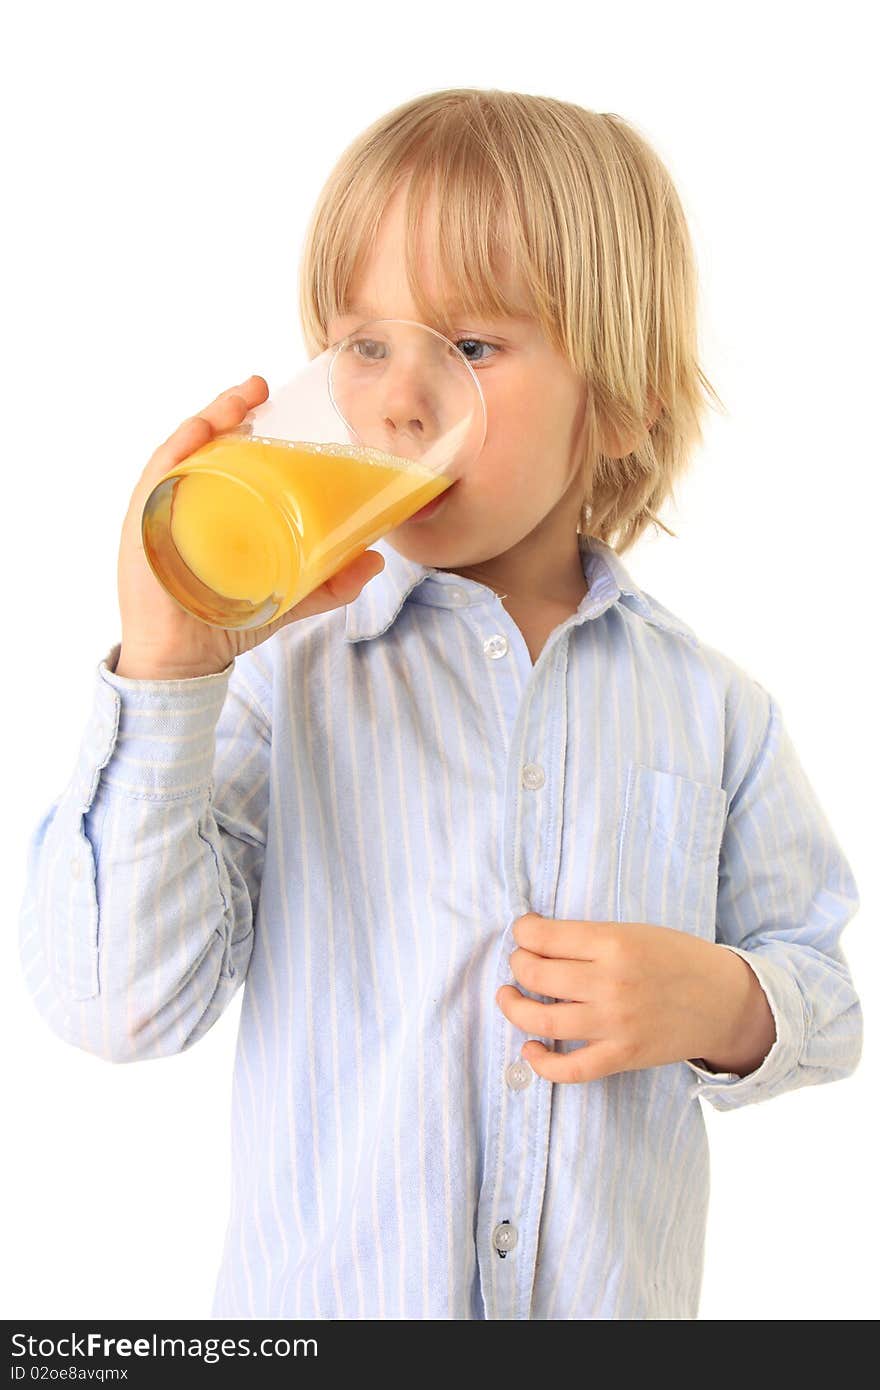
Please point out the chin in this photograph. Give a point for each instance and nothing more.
(424, 549)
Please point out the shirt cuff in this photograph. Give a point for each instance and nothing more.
(150, 738)
(727, 1090)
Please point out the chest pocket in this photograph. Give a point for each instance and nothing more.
(668, 850)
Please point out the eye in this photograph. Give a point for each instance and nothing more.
(480, 343)
(369, 343)
(366, 343)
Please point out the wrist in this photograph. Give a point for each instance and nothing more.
(746, 1028)
(131, 666)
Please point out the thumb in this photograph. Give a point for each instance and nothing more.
(351, 580)
(346, 583)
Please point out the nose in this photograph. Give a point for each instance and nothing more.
(404, 400)
(402, 389)
(398, 424)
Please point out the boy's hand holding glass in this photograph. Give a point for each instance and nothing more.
(641, 995)
(160, 639)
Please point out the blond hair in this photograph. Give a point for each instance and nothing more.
(582, 211)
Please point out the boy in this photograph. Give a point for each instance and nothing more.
(517, 868)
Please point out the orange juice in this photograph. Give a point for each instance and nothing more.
(257, 524)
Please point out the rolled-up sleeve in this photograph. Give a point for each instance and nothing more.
(785, 893)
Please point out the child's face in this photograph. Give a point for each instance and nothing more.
(528, 474)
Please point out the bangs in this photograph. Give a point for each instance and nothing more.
(460, 222)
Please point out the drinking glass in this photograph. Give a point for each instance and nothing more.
(366, 436)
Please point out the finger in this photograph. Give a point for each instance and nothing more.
(557, 936)
(346, 584)
(223, 413)
(341, 588)
(559, 979)
(252, 391)
(589, 1063)
(556, 1020)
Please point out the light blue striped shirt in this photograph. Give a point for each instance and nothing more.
(348, 821)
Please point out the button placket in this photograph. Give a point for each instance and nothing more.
(531, 830)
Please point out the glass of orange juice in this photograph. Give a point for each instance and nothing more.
(356, 442)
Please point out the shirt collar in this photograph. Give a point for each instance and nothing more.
(381, 600)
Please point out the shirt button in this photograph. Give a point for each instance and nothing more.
(457, 596)
(496, 646)
(75, 868)
(519, 1075)
(504, 1237)
(533, 776)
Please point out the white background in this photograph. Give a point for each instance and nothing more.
(160, 165)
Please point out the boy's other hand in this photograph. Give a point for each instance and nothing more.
(639, 996)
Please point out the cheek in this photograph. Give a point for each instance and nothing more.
(527, 440)
(498, 473)
(528, 411)
(511, 409)
(526, 456)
